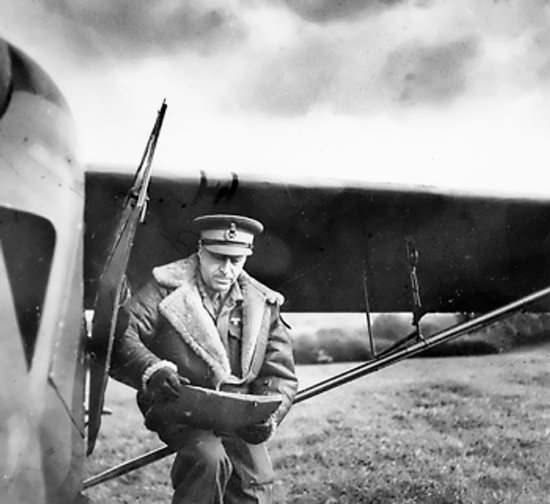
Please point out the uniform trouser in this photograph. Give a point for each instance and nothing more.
(211, 469)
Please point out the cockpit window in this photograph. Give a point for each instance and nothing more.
(28, 243)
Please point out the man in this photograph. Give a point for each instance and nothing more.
(203, 320)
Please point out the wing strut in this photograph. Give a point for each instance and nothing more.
(112, 283)
(417, 310)
(368, 314)
(352, 374)
(412, 262)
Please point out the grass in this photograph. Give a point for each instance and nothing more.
(431, 430)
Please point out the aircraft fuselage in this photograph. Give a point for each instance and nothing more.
(42, 433)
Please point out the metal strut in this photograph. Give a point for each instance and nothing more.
(367, 314)
(417, 309)
(350, 375)
(412, 262)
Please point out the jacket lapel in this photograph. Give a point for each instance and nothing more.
(254, 321)
(184, 310)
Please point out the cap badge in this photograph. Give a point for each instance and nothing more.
(231, 233)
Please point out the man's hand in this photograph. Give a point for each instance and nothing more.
(165, 384)
(258, 433)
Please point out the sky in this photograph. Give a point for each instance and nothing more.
(446, 93)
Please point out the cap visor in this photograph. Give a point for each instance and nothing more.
(229, 250)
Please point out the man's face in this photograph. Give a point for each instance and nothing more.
(220, 271)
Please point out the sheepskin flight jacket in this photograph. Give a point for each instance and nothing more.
(167, 320)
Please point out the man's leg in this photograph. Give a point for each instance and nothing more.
(201, 470)
(252, 478)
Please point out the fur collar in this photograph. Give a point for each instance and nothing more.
(184, 310)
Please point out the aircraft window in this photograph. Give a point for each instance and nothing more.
(27, 243)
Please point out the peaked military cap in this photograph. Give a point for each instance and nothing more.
(228, 234)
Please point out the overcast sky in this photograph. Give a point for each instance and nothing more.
(449, 93)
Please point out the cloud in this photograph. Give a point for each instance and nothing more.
(291, 57)
(410, 91)
(318, 72)
(326, 11)
(133, 28)
(292, 81)
(359, 57)
(436, 74)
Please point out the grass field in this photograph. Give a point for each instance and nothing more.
(430, 430)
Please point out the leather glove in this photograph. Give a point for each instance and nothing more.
(165, 383)
(258, 433)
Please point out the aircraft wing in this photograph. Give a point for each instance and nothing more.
(321, 239)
